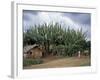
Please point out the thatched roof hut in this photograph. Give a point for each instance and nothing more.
(32, 51)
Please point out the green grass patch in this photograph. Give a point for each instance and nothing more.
(86, 64)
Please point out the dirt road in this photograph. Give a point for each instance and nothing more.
(62, 62)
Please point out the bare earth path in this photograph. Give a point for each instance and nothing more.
(62, 62)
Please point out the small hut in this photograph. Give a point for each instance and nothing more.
(32, 51)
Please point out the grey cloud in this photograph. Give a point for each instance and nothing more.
(82, 18)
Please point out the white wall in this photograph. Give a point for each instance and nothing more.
(5, 39)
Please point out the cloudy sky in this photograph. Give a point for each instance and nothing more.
(66, 19)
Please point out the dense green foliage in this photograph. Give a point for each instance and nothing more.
(56, 40)
(27, 62)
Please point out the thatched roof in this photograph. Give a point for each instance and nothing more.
(29, 47)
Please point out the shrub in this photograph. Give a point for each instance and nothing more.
(27, 62)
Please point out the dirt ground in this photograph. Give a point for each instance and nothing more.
(59, 62)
